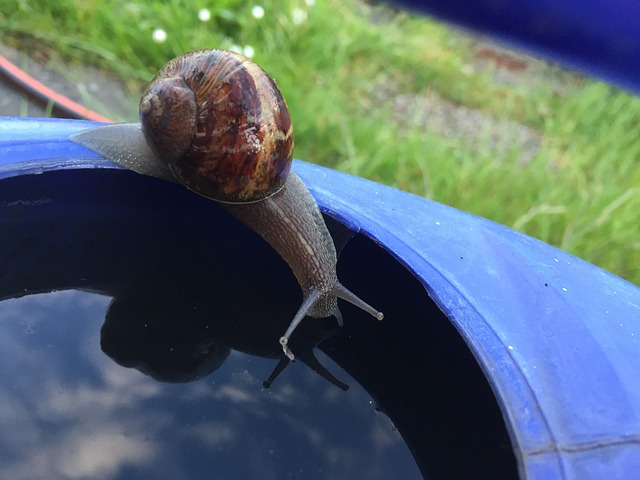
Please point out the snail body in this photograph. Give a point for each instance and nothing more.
(217, 123)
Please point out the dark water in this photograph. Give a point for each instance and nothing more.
(68, 410)
(138, 324)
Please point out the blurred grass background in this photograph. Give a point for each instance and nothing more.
(399, 99)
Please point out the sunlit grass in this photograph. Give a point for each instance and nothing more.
(342, 66)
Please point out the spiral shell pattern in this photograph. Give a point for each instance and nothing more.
(221, 124)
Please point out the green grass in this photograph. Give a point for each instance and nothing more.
(341, 71)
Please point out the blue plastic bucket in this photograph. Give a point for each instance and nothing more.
(556, 337)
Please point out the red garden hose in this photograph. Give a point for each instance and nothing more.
(39, 91)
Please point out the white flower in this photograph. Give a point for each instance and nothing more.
(298, 16)
(310, 3)
(204, 14)
(248, 51)
(159, 35)
(257, 12)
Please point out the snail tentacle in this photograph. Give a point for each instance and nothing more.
(339, 291)
(344, 293)
(307, 304)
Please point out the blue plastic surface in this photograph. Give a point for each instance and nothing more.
(557, 337)
(599, 37)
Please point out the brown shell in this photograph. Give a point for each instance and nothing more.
(221, 124)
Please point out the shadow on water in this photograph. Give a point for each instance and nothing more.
(188, 292)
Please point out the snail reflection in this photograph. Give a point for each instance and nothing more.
(217, 123)
(186, 338)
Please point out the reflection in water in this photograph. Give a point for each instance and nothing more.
(61, 400)
(180, 290)
(180, 339)
(70, 412)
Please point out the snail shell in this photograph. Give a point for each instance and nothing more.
(221, 125)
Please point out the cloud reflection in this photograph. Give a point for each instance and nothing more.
(68, 411)
(58, 424)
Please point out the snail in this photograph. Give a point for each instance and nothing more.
(215, 122)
